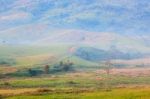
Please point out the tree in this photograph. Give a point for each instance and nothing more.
(32, 72)
(61, 63)
(107, 70)
(46, 69)
(62, 66)
(67, 65)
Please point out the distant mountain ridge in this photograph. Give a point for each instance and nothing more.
(102, 40)
(93, 54)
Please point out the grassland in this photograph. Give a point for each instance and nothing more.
(77, 85)
(79, 80)
(32, 56)
(87, 80)
(125, 93)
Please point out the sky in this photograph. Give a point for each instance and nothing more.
(119, 16)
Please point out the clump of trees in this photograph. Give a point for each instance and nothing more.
(63, 66)
(26, 72)
(32, 72)
(66, 66)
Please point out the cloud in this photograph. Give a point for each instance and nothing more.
(14, 16)
(99, 15)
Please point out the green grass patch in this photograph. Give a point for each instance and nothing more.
(126, 93)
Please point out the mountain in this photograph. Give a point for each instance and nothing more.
(23, 34)
(101, 40)
(93, 54)
(42, 35)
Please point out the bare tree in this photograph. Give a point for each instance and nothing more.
(46, 69)
(108, 67)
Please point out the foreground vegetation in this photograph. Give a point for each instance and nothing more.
(47, 74)
(77, 85)
(122, 93)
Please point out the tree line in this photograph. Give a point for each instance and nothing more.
(62, 66)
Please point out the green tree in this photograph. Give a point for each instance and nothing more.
(67, 65)
(32, 72)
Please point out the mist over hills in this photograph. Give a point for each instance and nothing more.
(101, 40)
(91, 23)
(98, 28)
(89, 30)
(93, 54)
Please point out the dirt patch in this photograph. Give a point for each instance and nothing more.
(7, 69)
(128, 71)
(38, 91)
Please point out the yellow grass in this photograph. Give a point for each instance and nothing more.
(32, 60)
(6, 92)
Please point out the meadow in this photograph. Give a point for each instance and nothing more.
(85, 80)
(77, 85)
(125, 93)
(74, 49)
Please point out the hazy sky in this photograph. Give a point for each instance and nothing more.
(120, 16)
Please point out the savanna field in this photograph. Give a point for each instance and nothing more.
(74, 49)
(25, 77)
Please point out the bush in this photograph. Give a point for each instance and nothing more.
(6, 83)
(19, 73)
(44, 90)
(71, 82)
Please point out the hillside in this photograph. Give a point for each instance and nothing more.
(100, 40)
(94, 54)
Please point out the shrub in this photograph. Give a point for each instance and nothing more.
(6, 83)
(43, 90)
(25, 73)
